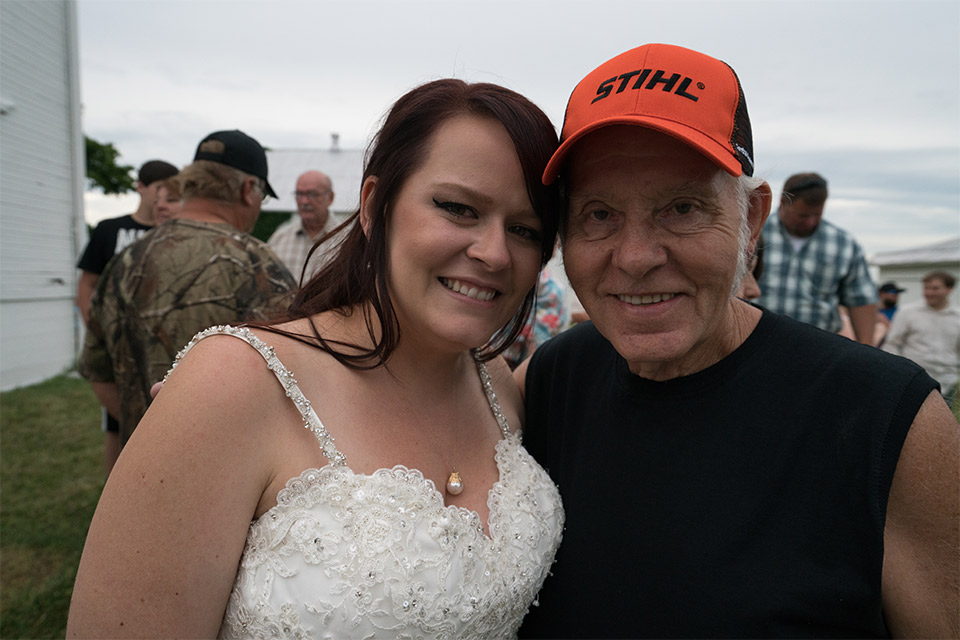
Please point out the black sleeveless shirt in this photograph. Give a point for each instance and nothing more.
(746, 500)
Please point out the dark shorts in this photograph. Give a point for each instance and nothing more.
(109, 424)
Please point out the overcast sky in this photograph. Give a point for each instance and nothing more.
(866, 93)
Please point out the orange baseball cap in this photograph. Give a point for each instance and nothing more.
(677, 91)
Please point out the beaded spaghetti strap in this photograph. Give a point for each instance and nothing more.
(492, 399)
(310, 419)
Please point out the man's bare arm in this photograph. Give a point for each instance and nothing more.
(862, 319)
(921, 560)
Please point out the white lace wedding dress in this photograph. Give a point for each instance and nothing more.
(345, 555)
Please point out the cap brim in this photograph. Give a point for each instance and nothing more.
(702, 143)
(270, 191)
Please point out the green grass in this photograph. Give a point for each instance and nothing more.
(51, 475)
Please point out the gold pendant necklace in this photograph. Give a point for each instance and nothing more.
(454, 483)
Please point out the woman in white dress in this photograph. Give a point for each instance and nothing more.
(407, 508)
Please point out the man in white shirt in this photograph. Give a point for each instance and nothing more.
(293, 240)
(929, 333)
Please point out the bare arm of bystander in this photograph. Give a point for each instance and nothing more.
(862, 319)
(921, 562)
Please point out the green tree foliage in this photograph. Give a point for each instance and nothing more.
(103, 170)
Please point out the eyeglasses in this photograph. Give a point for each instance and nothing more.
(310, 195)
(262, 185)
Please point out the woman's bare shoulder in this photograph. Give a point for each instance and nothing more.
(177, 506)
(221, 362)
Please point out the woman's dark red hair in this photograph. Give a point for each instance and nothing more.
(357, 275)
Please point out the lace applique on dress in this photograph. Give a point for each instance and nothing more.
(346, 555)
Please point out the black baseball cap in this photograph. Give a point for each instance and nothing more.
(238, 150)
(153, 170)
(890, 287)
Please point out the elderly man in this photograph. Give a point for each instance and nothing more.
(725, 471)
(293, 240)
(813, 266)
(197, 270)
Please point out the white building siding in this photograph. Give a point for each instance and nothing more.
(40, 330)
(907, 268)
(41, 186)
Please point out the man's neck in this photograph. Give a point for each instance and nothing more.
(212, 211)
(313, 231)
(144, 214)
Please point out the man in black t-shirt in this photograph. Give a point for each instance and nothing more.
(113, 235)
(107, 239)
(725, 471)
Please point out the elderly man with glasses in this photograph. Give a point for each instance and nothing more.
(293, 240)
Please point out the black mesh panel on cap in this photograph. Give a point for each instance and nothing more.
(742, 136)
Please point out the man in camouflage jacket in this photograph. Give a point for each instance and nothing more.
(193, 272)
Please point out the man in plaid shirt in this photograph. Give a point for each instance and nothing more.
(811, 266)
(293, 240)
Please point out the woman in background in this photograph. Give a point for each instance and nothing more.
(167, 203)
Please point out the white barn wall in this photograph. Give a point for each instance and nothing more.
(41, 189)
(40, 329)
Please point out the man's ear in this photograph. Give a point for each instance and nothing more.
(366, 204)
(247, 189)
(761, 200)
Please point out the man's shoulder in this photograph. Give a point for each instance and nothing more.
(921, 308)
(950, 310)
(112, 225)
(285, 230)
(199, 244)
(182, 245)
(910, 310)
(824, 354)
(196, 232)
(125, 258)
(117, 221)
(829, 231)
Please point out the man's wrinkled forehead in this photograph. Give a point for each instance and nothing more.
(628, 145)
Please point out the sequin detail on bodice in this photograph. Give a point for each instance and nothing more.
(347, 555)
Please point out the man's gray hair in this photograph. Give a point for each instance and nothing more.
(213, 180)
(746, 190)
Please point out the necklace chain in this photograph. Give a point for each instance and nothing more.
(455, 482)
